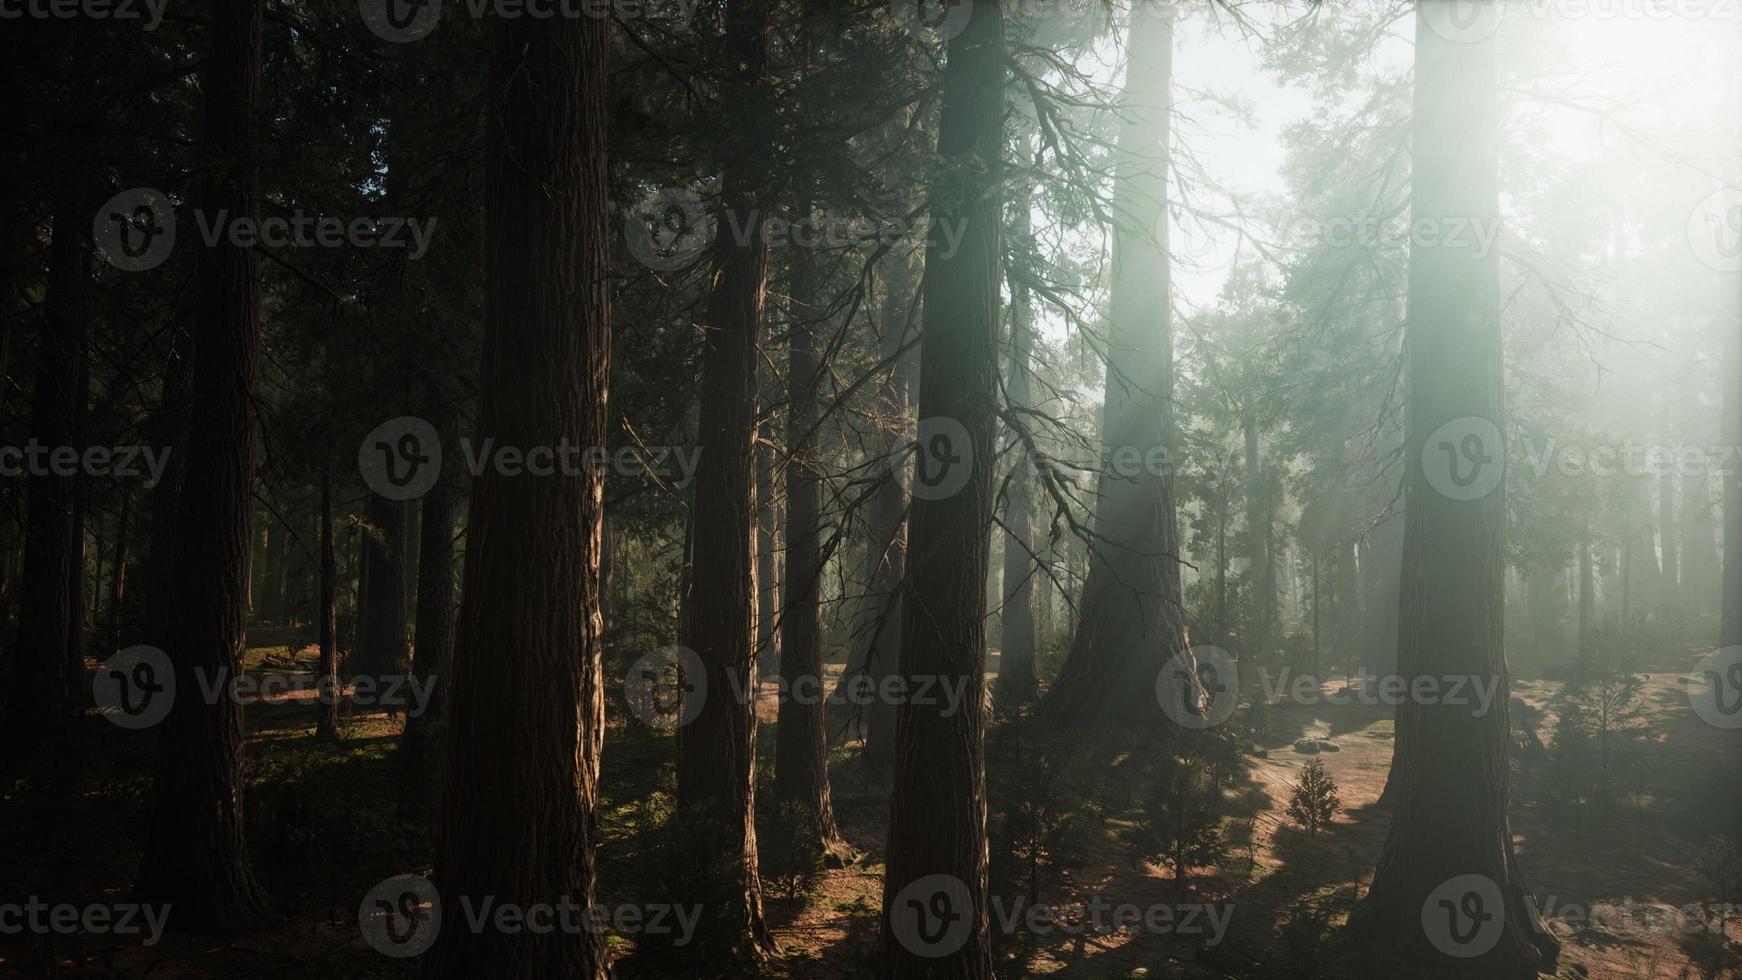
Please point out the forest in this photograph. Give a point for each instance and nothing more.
(953, 489)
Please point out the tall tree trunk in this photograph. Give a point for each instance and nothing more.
(716, 765)
(1730, 588)
(382, 648)
(432, 656)
(1017, 684)
(877, 632)
(1261, 570)
(801, 767)
(39, 695)
(525, 700)
(767, 556)
(196, 854)
(1587, 587)
(327, 703)
(1450, 838)
(77, 612)
(937, 811)
(1132, 620)
(118, 572)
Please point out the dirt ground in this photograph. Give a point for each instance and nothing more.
(827, 923)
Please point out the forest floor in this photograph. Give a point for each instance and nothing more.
(328, 822)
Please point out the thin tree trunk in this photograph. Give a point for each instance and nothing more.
(1017, 684)
(39, 695)
(716, 765)
(432, 656)
(801, 769)
(525, 700)
(327, 681)
(196, 853)
(937, 811)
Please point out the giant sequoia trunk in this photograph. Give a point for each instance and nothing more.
(801, 768)
(716, 764)
(196, 856)
(525, 702)
(1016, 678)
(934, 888)
(1449, 851)
(1132, 621)
(39, 695)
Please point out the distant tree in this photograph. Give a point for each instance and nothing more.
(1720, 867)
(1314, 800)
(1608, 692)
